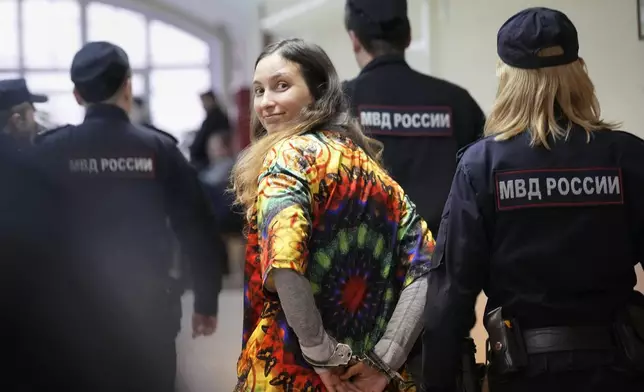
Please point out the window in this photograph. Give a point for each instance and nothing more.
(121, 27)
(49, 82)
(9, 54)
(9, 75)
(170, 66)
(61, 109)
(51, 32)
(170, 46)
(174, 100)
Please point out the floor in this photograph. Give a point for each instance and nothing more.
(208, 364)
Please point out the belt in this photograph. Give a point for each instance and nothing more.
(555, 339)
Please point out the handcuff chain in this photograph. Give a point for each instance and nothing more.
(375, 362)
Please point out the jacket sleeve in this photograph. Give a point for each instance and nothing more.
(461, 259)
(194, 224)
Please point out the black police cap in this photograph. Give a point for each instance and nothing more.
(525, 34)
(14, 92)
(98, 70)
(378, 19)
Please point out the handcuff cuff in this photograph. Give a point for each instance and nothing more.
(343, 357)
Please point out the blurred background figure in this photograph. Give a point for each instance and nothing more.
(216, 121)
(140, 113)
(216, 180)
(17, 111)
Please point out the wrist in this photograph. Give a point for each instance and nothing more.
(385, 378)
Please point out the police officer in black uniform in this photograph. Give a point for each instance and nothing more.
(38, 316)
(17, 111)
(121, 181)
(421, 120)
(546, 215)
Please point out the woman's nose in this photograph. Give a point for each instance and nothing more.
(267, 101)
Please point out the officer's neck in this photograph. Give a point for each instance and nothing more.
(122, 104)
(363, 58)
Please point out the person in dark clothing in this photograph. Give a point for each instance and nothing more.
(140, 115)
(546, 215)
(421, 120)
(40, 316)
(216, 121)
(216, 179)
(17, 112)
(121, 182)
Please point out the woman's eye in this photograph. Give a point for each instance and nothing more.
(282, 86)
(259, 91)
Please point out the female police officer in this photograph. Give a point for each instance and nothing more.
(546, 214)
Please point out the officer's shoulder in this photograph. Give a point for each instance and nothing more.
(157, 133)
(347, 85)
(53, 133)
(626, 137)
(444, 85)
(472, 152)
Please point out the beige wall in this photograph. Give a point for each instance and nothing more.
(325, 26)
(464, 49)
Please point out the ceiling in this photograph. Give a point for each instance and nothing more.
(233, 12)
(282, 17)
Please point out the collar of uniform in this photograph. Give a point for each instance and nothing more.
(101, 110)
(383, 60)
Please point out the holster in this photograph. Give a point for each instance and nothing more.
(506, 352)
(629, 333)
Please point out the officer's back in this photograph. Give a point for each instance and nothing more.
(421, 120)
(114, 173)
(545, 215)
(563, 221)
(121, 184)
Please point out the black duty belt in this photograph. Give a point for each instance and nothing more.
(555, 339)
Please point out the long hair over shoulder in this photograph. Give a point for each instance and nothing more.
(532, 100)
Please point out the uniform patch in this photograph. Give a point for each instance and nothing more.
(406, 120)
(558, 188)
(115, 167)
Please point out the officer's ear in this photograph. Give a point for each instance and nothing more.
(127, 90)
(355, 42)
(79, 99)
(16, 120)
(408, 39)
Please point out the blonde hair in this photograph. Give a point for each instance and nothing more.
(531, 99)
(329, 108)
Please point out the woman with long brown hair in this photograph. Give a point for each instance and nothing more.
(332, 299)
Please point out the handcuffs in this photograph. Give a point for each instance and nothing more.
(343, 357)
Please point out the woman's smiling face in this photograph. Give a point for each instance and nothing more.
(280, 93)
